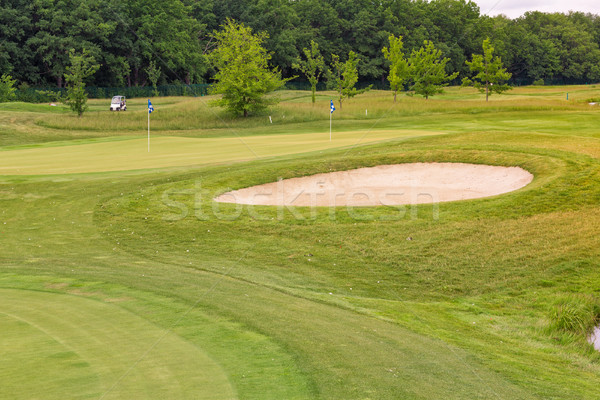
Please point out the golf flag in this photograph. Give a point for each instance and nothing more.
(331, 110)
(150, 109)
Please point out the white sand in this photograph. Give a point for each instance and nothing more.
(416, 183)
(594, 338)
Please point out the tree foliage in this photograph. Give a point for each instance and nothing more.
(243, 76)
(82, 66)
(125, 35)
(344, 76)
(7, 88)
(428, 70)
(490, 75)
(399, 72)
(313, 67)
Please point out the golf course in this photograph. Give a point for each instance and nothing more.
(121, 277)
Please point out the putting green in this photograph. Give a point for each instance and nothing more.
(58, 346)
(121, 155)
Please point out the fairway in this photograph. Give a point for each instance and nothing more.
(122, 278)
(88, 346)
(164, 152)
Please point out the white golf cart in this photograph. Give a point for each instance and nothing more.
(118, 103)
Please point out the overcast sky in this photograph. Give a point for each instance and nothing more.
(516, 8)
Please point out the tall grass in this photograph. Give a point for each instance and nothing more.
(194, 114)
(577, 315)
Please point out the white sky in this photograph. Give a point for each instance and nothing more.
(516, 8)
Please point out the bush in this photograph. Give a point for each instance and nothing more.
(539, 82)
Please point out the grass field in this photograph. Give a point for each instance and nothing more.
(121, 278)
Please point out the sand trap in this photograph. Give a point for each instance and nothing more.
(416, 183)
(594, 338)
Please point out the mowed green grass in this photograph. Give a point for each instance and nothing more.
(164, 152)
(300, 303)
(86, 348)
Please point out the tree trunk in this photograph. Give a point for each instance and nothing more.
(59, 80)
(487, 91)
(395, 93)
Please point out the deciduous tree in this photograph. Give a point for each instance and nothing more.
(153, 75)
(344, 76)
(490, 74)
(243, 76)
(313, 67)
(7, 88)
(399, 72)
(82, 66)
(428, 70)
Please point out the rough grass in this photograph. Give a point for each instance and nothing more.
(490, 298)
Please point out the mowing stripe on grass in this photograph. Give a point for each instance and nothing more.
(177, 151)
(57, 346)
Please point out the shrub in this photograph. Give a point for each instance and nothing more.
(539, 82)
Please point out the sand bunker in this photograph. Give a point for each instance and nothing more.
(594, 338)
(416, 183)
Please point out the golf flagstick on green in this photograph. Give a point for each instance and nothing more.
(150, 109)
(331, 110)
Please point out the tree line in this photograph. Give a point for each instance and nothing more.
(137, 43)
(244, 77)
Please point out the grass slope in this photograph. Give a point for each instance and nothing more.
(490, 298)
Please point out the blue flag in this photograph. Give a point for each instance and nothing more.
(150, 107)
(332, 107)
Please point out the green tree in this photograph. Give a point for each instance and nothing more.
(457, 29)
(66, 24)
(16, 24)
(153, 75)
(7, 88)
(344, 76)
(491, 75)
(82, 66)
(428, 70)
(312, 67)
(162, 30)
(398, 64)
(243, 75)
(279, 20)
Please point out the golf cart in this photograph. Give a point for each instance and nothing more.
(118, 103)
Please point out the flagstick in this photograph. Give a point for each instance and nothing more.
(330, 114)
